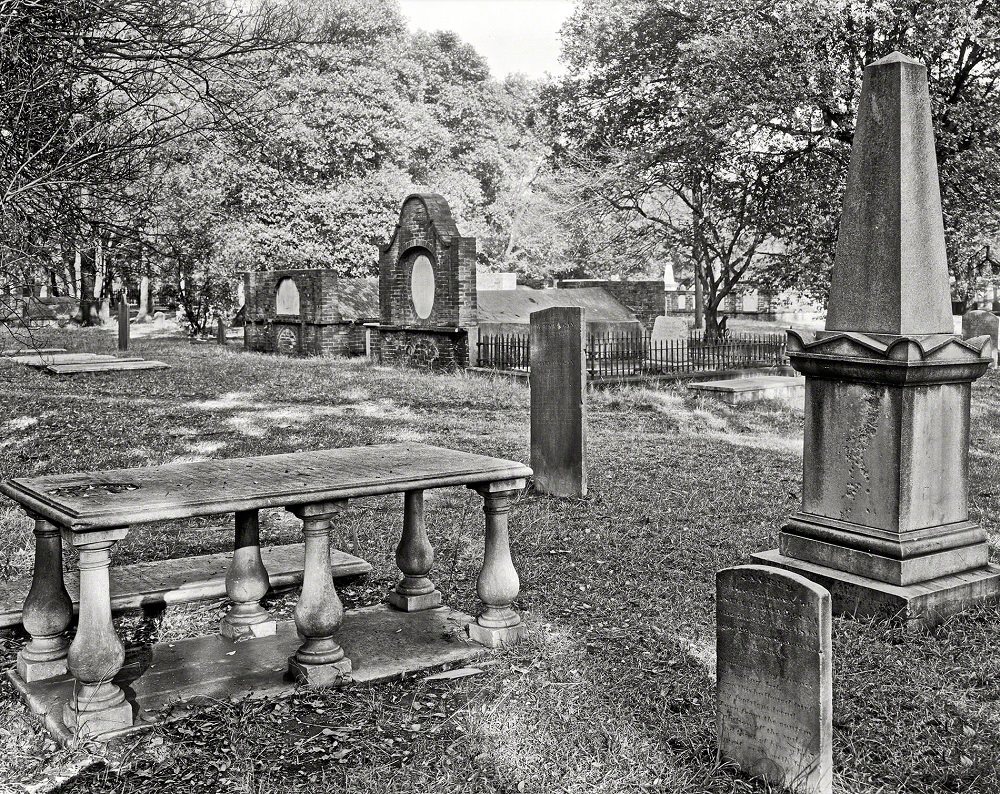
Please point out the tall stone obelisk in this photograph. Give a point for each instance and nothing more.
(884, 523)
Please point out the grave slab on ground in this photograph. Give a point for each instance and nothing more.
(381, 642)
(741, 390)
(111, 365)
(160, 582)
(885, 514)
(45, 359)
(774, 674)
(30, 351)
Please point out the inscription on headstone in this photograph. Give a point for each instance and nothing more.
(558, 383)
(775, 671)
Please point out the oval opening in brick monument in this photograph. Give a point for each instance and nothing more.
(422, 286)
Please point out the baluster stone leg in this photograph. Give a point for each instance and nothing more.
(47, 610)
(246, 584)
(414, 556)
(320, 661)
(498, 583)
(96, 654)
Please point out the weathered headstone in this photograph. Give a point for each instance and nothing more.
(884, 523)
(123, 329)
(558, 382)
(979, 323)
(774, 673)
(661, 329)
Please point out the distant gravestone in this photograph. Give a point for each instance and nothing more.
(775, 677)
(123, 329)
(661, 329)
(980, 323)
(558, 380)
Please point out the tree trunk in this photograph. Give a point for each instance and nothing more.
(697, 254)
(711, 322)
(699, 298)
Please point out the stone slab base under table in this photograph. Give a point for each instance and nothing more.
(381, 642)
(157, 583)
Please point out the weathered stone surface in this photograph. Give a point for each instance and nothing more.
(765, 387)
(775, 677)
(979, 323)
(320, 675)
(661, 329)
(559, 401)
(888, 385)
(383, 643)
(891, 272)
(916, 605)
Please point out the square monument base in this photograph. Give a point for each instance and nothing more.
(335, 674)
(39, 671)
(239, 633)
(411, 603)
(497, 638)
(923, 604)
(95, 723)
(164, 681)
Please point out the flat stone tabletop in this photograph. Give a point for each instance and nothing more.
(120, 497)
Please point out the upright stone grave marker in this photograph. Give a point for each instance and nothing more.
(123, 329)
(979, 323)
(661, 329)
(774, 670)
(884, 522)
(558, 382)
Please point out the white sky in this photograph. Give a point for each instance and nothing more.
(513, 35)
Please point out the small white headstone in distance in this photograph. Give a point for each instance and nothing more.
(775, 677)
(661, 330)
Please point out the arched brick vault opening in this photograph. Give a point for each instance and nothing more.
(286, 297)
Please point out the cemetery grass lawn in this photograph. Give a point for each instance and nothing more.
(613, 691)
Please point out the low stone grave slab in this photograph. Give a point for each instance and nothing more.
(45, 359)
(766, 387)
(113, 365)
(183, 580)
(774, 675)
(30, 351)
(381, 642)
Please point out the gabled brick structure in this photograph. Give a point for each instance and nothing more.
(307, 312)
(427, 288)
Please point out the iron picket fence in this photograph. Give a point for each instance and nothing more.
(617, 355)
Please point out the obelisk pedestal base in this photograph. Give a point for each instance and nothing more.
(925, 604)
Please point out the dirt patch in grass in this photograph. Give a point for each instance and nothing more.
(613, 691)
